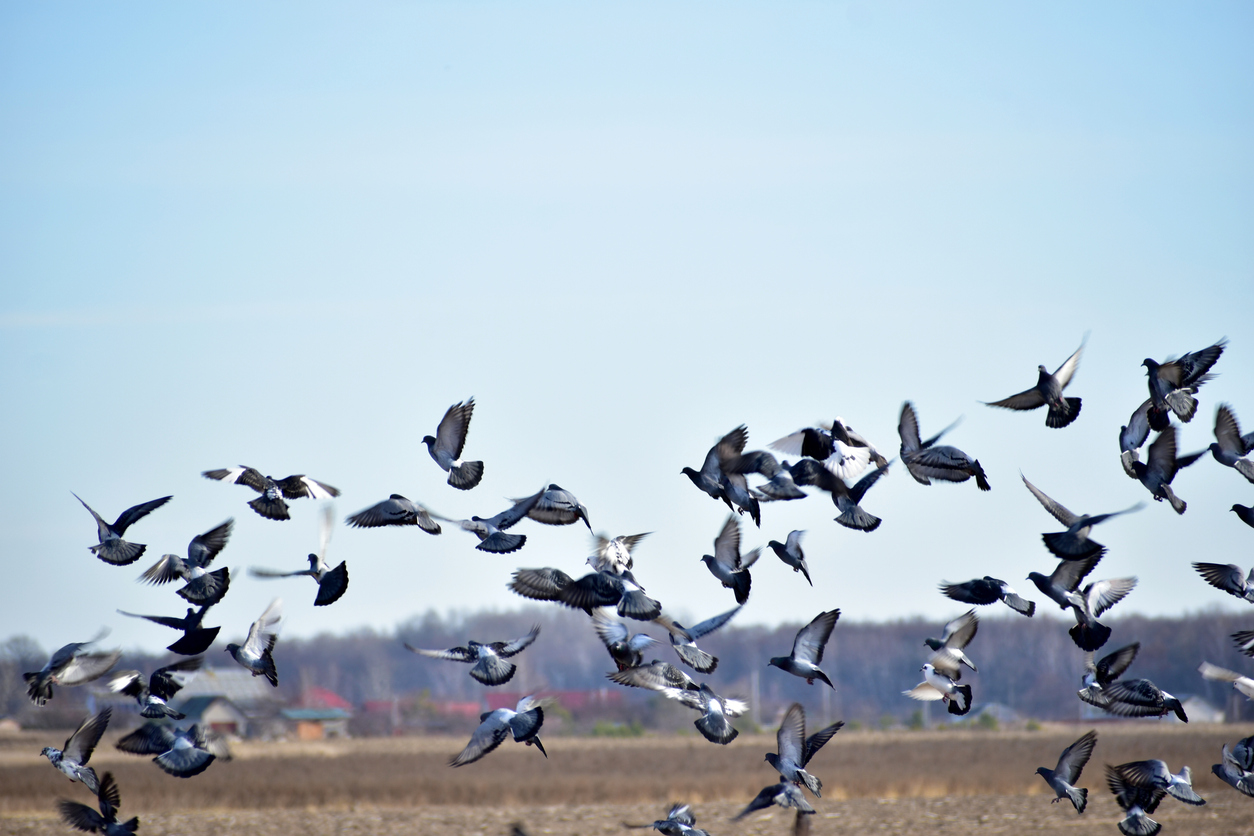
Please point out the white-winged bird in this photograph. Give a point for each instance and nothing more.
(271, 504)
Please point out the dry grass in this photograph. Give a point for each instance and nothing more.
(878, 782)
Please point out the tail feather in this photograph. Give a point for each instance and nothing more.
(1020, 605)
(1139, 824)
(635, 604)
(119, 552)
(195, 642)
(492, 670)
(465, 475)
(741, 582)
(858, 519)
(1176, 502)
(812, 783)
(981, 481)
(38, 688)
(1059, 418)
(716, 729)
(271, 509)
(960, 706)
(1079, 796)
(696, 658)
(1090, 636)
(1065, 545)
(502, 543)
(1183, 404)
(207, 590)
(132, 825)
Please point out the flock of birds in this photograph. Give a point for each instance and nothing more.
(834, 459)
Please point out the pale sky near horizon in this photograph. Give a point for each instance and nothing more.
(290, 236)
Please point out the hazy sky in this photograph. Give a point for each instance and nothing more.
(291, 235)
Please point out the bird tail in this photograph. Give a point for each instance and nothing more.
(716, 729)
(858, 519)
(981, 481)
(1176, 502)
(1246, 468)
(157, 711)
(131, 826)
(1061, 417)
(194, 641)
(119, 552)
(961, 704)
(271, 509)
(332, 586)
(502, 543)
(1090, 636)
(1128, 457)
(1183, 404)
(635, 604)
(1178, 709)
(1139, 824)
(491, 670)
(1067, 546)
(38, 688)
(1020, 605)
(697, 659)
(465, 475)
(812, 783)
(267, 659)
(207, 590)
(1078, 795)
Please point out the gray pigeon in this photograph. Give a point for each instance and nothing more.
(1132, 436)
(596, 589)
(489, 665)
(395, 510)
(1048, 392)
(684, 639)
(72, 760)
(1161, 467)
(195, 639)
(558, 506)
(491, 531)
(1230, 448)
(784, 794)
(1155, 774)
(71, 665)
(523, 722)
(1060, 585)
(82, 817)
(807, 649)
(1172, 384)
(257, 652)
(926, 461)
(1074, 543)
(1088, 633)
(625, 648)
(179, 752)
(711, 477)
(790, 552)
(714, 723)
(446, 446)
(795, 750)
(332, 583)
(1138, 698)
(153, 694)
(948, 652)
(1097, 675)
(655, 676)
(1138, 802)
(842, 450)
(845, 498)
(1235, 768)
(728, 564)
(112, 548)
(271, 504)
(679, 821)
(780, 486)
(1245, 513)
(988, 590)
(203, 587)
(614, 554)
(1062, 778)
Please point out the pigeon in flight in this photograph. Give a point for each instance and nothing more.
(927, 461)
(684, 639)
(1155, 774)
(256, 653)
(1235, 769)
(1162, 465)
(1097, 675)
(195, 639)
(271, 504)
(1230, 448)
(71, 665)
(1172, 384)
(446, 446)
(1243, 684)
(988, 590)
(780, 485)
(679, 821)
(845, 498)
(1138, 802)
(558, 506)
(714, 723)
(72, 760)
(1137, 698)
(112, 548)
(625, 648)
(1062, 778)
(614, 554)
(784, 794)
(1245, 513)
(160, 688)
(1132, 436)
(795, 749)
(728, 564)
(1048, 392)
(596, 589)
(332, 583)
(655, 676)
(1061, 587)
(179, 752)
(395, 510)
(523, 721)
(790, 552)
(490, 666)
(711, 477)
(491, 531)
(807, 649)
(844, 452)
(203, 587)
(82, 817)
(1074, 543)
(937, 686)
(948, 652)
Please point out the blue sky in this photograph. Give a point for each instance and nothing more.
(291, 236)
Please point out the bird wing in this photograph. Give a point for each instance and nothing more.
(1102, 595)
(130, 683)
(540, 584)
(819, 739)
(164, 621)
(148, 739)
(1162, 454)
(711, 624)
(519, 644)
(490, 734)
(85, 667)
(1218, 674)
(864, 484)
(727, 543)
(596, 589)
(1027, 399)
(258, 572)
(263, 629)
(959, 632)
(908, 429)
(812, 638)
(609, 630)
(135, 513)
(1068, 574)
(513, 514)
(924, 692)
(450, 436)
(81, 817)
(299, 486)
(242, 475)
(1192, 366)
(731, 445)
(456, 654)
(1225, 576)
(82, 742)
(1112, 666)
(1227, 431)
(205, 547)
(1057, 510)
(169, 567)
(163, 682)
(1074, 757)
(789, 444)
(1067, 370)
(790, 739)
(976, 591)
(655, 676)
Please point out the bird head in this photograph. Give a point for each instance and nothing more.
(935, 644)
(428, 440)
(778, 662)
(48, 752)
(232, 649)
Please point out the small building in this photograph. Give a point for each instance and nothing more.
(318, 723)
(216, 712)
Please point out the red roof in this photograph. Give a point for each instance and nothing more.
(322, 698)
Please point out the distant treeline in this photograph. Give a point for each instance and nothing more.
(1030, 665)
